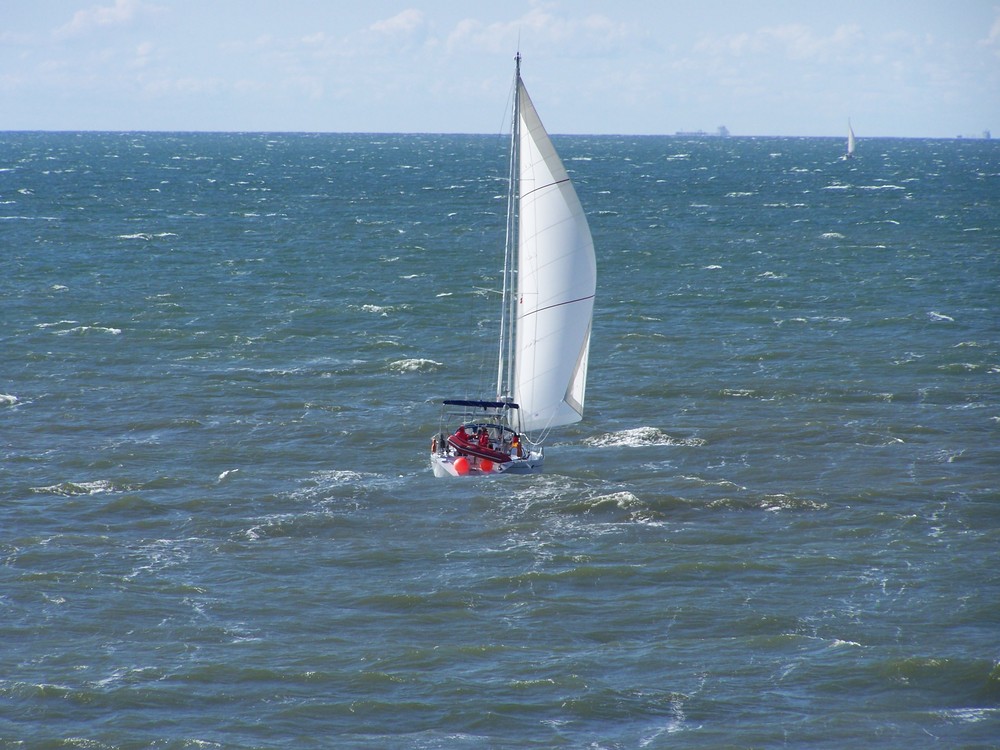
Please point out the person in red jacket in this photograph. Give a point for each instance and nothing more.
(515, 448)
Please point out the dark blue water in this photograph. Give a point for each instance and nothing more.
(220, 360)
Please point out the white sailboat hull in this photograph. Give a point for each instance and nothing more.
(444, 465)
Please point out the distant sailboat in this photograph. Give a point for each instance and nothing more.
(549, 282)
(850, 141)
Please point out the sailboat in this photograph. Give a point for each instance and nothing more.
(547, 301)
(850, 141)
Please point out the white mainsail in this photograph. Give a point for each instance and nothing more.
(557, 279)
(850, 139)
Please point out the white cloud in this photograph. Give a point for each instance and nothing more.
(142, 55)
(405, 22)
(793, 41)
(121, 13)
(992, 39)
(538, 27)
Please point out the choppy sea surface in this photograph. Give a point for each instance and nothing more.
(221, 362)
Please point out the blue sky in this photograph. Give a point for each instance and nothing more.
(908, 68)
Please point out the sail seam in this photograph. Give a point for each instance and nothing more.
(542, 187)
(558, 304)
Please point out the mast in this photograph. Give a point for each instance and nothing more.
(505, 364)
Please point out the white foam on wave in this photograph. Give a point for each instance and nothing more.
(881, 187)
(622, 499)
(971, 715)
(702, 482)
(146, 236)
(7, 400)
(78, 328)
(91, 329)
(322, 484)
(640, 437)
(415, 365)
(68, 489)
(838, 643)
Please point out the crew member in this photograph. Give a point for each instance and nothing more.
(515, 448)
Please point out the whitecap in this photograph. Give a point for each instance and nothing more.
(624, 500)
(971, 715)
(838, 643)
(88, 329)
(414, 365)
(7, 400)
(940, 316)
(640, 437)
(76, 488)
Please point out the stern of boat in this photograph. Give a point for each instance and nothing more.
(450, 464)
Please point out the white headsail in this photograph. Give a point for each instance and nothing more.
(557, 279)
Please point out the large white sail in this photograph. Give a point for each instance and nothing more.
(850, 139)
(557, 278)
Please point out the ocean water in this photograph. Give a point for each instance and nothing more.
(221, 361)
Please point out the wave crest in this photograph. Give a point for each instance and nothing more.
(415, 365)
(640, 437)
